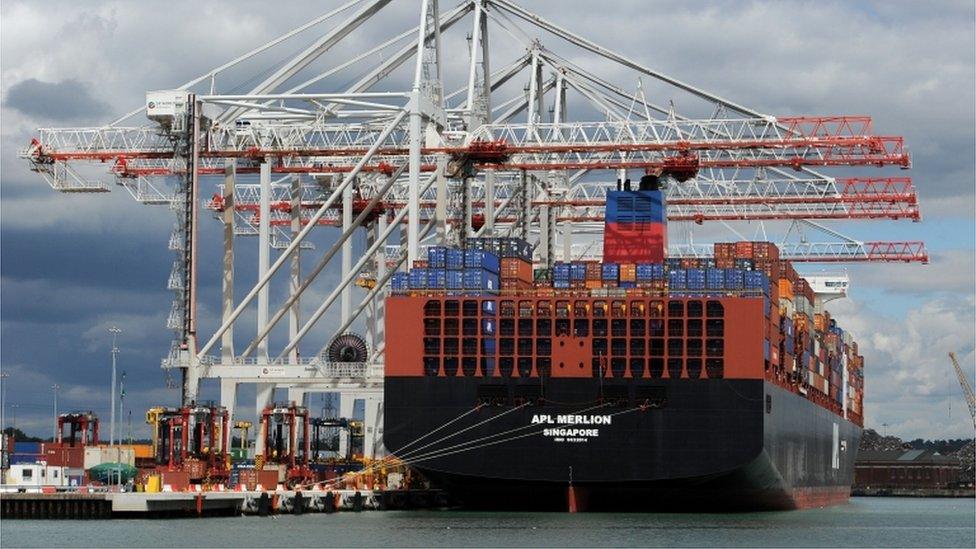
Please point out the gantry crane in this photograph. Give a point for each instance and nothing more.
(526, 148)
(967, 389)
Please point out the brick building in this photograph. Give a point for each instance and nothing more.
(907, 469)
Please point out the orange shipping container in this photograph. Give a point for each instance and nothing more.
(785, 288)
(819, 322)
(628, 272)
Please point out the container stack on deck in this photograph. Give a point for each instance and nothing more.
(805, 350)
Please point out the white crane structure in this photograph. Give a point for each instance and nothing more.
(493, 149)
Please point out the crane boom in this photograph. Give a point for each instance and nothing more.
(967, 389)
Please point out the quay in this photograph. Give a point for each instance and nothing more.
(105, 505)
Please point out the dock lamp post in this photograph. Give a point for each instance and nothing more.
(115, 352)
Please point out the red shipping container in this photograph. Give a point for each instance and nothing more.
(743, 250)
(513, 268)
(594, 271)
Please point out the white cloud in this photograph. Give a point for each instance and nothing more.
(909, 381)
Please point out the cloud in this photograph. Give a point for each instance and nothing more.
(65, 101)
(909, 381)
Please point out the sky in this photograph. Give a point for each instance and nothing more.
(71, 266)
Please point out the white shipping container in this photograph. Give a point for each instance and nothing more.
(98, 455)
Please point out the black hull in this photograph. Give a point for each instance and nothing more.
(713, 444)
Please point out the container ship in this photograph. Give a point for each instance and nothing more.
(639, 382)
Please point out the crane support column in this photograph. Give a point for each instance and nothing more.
(294, 320)
(227, 303)
(264, 253)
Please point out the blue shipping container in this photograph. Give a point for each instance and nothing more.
(696, 279)
(735, 279)
(480, 279)
(437, 257)
(481, 259)
(454, 280)
(577, 271)
(455, 259)
(418, 279)
(560, 271)
(611, 271)
(678, 279)
(560, 283)
(436, 279)
(715, 279)
(400, 282)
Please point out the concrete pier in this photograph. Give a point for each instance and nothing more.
(104, 505)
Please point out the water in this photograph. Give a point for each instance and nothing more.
(864, 522)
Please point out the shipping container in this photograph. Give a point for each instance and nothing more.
(610, 272)
(481, 280)
(437, 257)
(481, 259)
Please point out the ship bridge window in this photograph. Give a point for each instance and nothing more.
(715, 327)
(507, 309)
(637, 367)
(656, 309)
(469, 366)
(714, 309)
(525, 326)
(543, 346)
(562, 327)
(525, 367)
(600, 327)
(525, 309)
(637, 327)
(695, 308)
(674, 367)
(676, 347)
(562, 309)
(506, 365)
(599, 347)
(675, 327)
(469, 345)
(543, 327)
(656, 327)
(694, 347)
(618, 327)
(525, 346)
(432, 345)
(618, 346)
(637, 347)
(694, 368)
(432, 308)
(451, 326)
(451, 346)
(618, 309)
(656, 367)
(676, 308)
(450, 366)
(469, 307)
(715, 368)
(451, 307)
(432, 326)
(714, 347)
(600, 308)
(695, 327)
(581, 309)
(581, 327)
(432, 365)
(543, 309)
(657, 347)
(618, 366)
(506, 346)
(469, 326)
(637, 308)
(506, 327)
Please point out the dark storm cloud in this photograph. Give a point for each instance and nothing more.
(67, 100)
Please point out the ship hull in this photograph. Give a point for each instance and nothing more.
(677, 445)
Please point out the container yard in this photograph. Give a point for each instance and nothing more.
(511, 323)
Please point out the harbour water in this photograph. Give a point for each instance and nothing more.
(864, 522)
